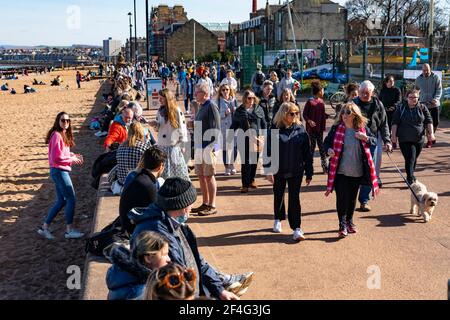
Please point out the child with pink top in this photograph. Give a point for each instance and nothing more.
(59, 140)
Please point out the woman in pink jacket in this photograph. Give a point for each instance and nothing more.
(59, 140)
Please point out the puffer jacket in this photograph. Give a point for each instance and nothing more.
(126, 278)
(155, 219)
(117, 132)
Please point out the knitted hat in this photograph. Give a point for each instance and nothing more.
(176, 194)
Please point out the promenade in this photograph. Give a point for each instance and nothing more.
(393, 256)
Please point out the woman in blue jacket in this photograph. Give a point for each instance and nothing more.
(294, 161)
(127, 277)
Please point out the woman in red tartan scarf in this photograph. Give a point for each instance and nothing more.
(351, 164)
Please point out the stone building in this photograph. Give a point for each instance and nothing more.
(313, 20)
(141, 48)
(163, 20)
(180, 43)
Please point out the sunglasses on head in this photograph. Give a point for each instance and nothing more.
(174, 280)
(65, 120)
(347, 112)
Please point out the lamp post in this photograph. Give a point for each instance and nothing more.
(147, 44)
(131, 35)
(135, 34)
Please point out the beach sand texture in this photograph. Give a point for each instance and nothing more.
(33, 267)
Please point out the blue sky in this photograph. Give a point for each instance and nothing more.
(57, 22)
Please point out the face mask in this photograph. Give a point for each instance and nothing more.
(182, 219)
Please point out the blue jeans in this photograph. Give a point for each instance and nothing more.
(364, 191)
(65, 196)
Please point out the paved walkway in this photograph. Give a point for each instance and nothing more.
(411, 258)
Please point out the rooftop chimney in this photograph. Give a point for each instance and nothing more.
(255, 6)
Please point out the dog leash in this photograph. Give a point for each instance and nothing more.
(406, 181)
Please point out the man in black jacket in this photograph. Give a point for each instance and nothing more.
(140, 188)
(372, 108)
(267, 101)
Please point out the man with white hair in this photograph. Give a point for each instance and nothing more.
(208, 117)
(372, 108)
(430, 87)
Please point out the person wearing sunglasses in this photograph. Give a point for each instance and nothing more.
(373, 110)
(351, 164)
(60, 140)
(410, 122)
(294, 162)
(227, 106)
(249, 116)
(171, 282)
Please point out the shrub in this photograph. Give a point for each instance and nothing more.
(445, 112)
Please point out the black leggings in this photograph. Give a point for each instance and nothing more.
(294, 208)
(248, 169)
(346, 192)
(410, 152)
(317, 139)
(435, 115)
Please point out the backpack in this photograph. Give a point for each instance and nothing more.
(260, 78)
(110, 234)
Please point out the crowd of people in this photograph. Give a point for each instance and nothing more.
(152, 176)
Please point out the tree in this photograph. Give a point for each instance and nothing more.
(413, 13)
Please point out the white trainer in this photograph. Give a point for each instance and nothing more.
(298, 235)
(46, 233)
(74, 234)
(277, 226)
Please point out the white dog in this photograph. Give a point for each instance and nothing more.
(427, 201)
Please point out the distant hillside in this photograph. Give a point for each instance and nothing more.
(16, 47)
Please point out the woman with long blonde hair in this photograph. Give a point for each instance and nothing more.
(351, 164)
(227, 106)
(294, 162)
(130, 152)
(172, 135)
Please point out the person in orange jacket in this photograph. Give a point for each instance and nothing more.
(118, 129)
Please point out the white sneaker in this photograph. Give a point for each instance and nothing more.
(277, 226)
(227, 172)
(74, 234)
(233, 171)
(46, 233)
(298, 235)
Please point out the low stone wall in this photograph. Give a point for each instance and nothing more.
(94, 284)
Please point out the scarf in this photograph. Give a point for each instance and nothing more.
(338, 143)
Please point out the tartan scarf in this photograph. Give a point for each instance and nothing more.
(338, 143)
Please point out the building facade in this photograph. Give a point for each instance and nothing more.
(163, 20)
(141, 48)
(111, 49)
(180, 44)
(313, 20)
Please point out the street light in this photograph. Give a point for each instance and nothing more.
(135, 34)
(131, 35)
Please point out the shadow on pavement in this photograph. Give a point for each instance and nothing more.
(393, 220)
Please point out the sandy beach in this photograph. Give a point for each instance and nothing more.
(32, 267)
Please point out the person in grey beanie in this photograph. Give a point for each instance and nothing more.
(168, 216)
